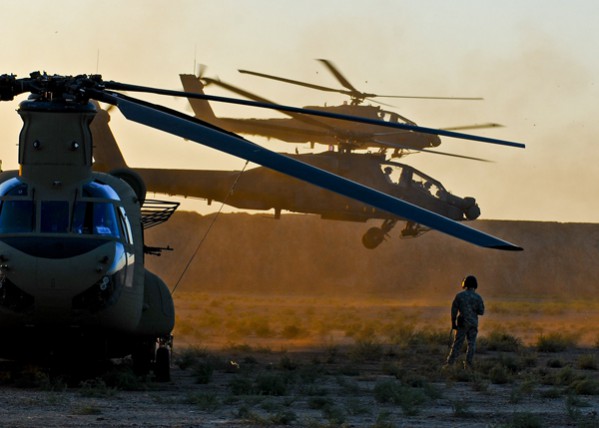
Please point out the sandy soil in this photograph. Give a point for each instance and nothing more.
(380, 387)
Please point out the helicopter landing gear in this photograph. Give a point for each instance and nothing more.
(162, 365)
(376, 235)
(471, 209)
(146, 358)
(412, 230)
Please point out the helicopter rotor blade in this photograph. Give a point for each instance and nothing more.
(249, 95)
(312, 121)
(455, 155)
(294, 82)
(358, 94)
(411, 150)
(351, 90)
(192, 129)
(340, 78)
(281, 107)
(201, 70)
(476, 126)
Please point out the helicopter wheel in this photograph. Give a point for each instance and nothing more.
(473, 212)
(162, 366)
(373, 237)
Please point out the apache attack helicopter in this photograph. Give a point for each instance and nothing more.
(347, 137)
(73, 283)
(264, 189)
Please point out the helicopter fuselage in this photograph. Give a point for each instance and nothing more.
(72, 272)
(263, 189)
(321, 130)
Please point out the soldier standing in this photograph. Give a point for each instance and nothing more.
(465, 309)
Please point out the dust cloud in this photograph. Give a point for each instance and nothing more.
(304, 255)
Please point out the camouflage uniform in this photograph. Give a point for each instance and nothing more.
(466, 308)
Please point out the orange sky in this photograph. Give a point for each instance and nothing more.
(532, 61)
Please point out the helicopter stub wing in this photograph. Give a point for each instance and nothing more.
(192, 129)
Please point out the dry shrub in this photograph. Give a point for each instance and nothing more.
(587, 362)
(408, 398)
(366, 350)
(555, 342)
(500, 341)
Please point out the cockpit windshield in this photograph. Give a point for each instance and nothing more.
(16, 216)
(389, 116)
(427, 184)
(408, 177)
(392, 173)
(95, 189)
(16, 210)
(93, 213)
(96, 218)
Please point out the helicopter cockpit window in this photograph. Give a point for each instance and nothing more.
(385, 115)
(16, 211)
(95, 189)
(95, 213)
(125, 225)
(13, 187)
(95, 218)
(426, 184)
(392, 173)
(55, 216)
(16, 216)
(393, 117)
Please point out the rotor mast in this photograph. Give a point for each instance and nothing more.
(55, 143)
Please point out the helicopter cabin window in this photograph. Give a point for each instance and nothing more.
(17, 213)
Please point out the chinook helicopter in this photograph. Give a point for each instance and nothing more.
(264, 189)
(347, 137)
(73, 283)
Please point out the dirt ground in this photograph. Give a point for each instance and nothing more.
(364, 385)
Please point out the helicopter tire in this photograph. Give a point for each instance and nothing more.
(373, 238)
(162, 366)
(473, 212)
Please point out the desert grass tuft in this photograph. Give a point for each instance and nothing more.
(587, 362)
(525, 420)
(408, 398)
(499, 341)
(555, 342)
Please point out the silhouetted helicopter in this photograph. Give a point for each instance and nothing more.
(264, 189)
(301, 129)
(72, 274)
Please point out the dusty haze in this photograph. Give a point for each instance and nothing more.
(302, 254)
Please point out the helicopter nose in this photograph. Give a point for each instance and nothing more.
(435, 141)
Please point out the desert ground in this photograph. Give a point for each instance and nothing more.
(250, 361)
(292, 323)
